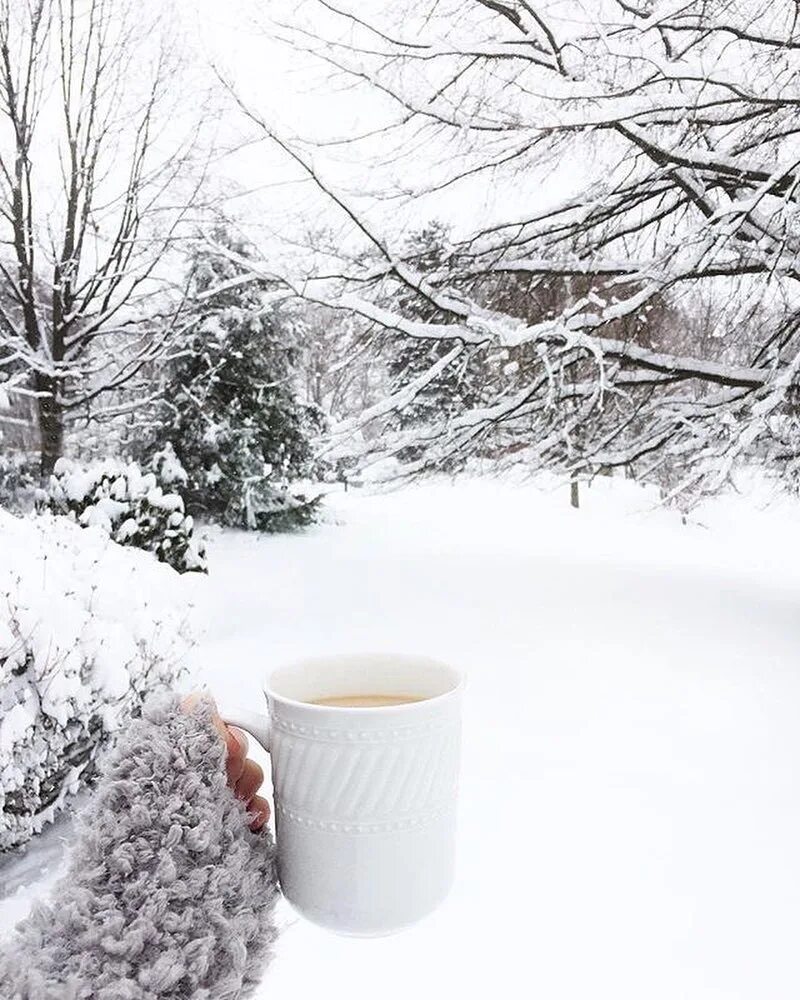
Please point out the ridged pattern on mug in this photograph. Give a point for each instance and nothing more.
(376, 781)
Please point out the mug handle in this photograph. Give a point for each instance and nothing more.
(254, 723)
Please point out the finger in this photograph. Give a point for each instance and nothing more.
(249, 782)
(259, 811)
(236, 757)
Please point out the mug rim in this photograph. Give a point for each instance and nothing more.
(458, 673)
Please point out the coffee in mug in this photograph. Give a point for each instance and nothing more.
(365, 700)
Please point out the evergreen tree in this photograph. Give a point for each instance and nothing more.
(230, 408)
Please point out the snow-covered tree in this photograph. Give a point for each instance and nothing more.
(97, 175)
(457, 386)
(339, 362)
(229, 402)
(644, 151)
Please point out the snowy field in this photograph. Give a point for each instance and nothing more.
(630, 810)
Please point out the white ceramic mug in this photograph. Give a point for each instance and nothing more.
(365, 798)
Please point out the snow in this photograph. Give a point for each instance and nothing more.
(165, 501)
(17, 720)
(169, 467)
(103, 513)
(629, 812)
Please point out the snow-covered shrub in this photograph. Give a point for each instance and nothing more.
(87, 627)
(132, 506)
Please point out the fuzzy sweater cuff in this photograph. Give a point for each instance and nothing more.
(167, 894)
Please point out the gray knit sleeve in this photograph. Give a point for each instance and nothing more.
(168, 894)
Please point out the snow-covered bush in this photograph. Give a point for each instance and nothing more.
(133, 507)
(87, 627)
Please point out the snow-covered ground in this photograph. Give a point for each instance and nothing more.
(630, 810)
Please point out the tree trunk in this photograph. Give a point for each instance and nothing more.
(574, 497)
(51, 423)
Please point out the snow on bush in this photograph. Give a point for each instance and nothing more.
(134, 507)
(87, 627)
